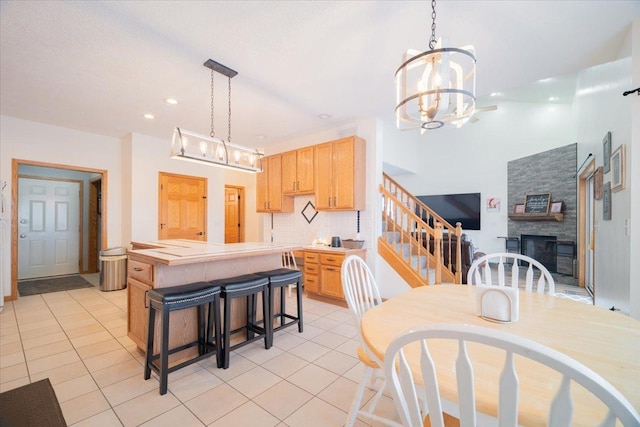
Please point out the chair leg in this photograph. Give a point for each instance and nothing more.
(150, 333)
(283, 307)
(164, 352)
(268, 320)
(227, 329)
(357, 399)
(299, 297)
(218, 331)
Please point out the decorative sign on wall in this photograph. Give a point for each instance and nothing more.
(617, 169)
(537, 203)
(606, 202)
(309, 212)
(606, 154)
(597, 183)
(493, 204)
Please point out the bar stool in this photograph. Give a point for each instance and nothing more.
(281, 278)
(166, 300)
(247, 285)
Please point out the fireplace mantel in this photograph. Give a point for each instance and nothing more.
(536, 217)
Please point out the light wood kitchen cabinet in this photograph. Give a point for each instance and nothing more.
(297, 171)
(139, 281)
(269, 197)
(340, 175)
(323, 271)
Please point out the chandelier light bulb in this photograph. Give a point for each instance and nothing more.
(203, 148)
(236, 156)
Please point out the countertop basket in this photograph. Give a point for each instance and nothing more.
(352, 244)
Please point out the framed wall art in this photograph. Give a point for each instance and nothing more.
(617, 169)
(597, 183)
(606, 152)
(537, 203)
(556, 207)
(519, 208)
(606, 202)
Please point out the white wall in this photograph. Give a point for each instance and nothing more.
(474, 158)
(601, 108)
(25, 140)
(634, 174)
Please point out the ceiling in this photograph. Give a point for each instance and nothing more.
(99, 66)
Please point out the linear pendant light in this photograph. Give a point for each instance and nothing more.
(192, 146)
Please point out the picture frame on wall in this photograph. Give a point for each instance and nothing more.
(597, 183)
(519, 208)
(606, 152)
(606, 202)
(556, 207)
(617, 169)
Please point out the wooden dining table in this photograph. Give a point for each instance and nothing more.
(605, 341)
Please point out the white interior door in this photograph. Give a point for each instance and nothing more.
(589, 235)
(48, 227)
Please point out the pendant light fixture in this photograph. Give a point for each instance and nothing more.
(188, 145)
(436, 87)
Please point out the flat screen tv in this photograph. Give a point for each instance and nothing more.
(463, 208)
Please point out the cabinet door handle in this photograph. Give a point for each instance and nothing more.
(298, 185)
(334, 201)
(329, 201)
(294, 185)
(331, 259)
(331, 269)
(137, 269)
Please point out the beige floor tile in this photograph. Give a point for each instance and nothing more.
(74, 388)
(117, 373)
(310, 331)
(346, 330)
(47, 350)
(190, 386)
(282, 399)
(316, 413)
(128, 389)
(309, 351)
(8, 329)
(254, 382)
(340, 394)
(55, 335)
(325, 323)
(77, 321)
(285, 364)
(90, 339)
(237, 366)
(99, 348)
(386, 409)
(85, 330)
(119, 331)
(14, 384)
(9, 338)
(178, 416)
(341, 315)
(329, 339)
(312, 378)
(336, 362)
(215, 403)
(83, 407)
(12, 359)
(286, 341)
(114, 323)
(247, 415)
(105, 360)
(14, 372)
(145, 407)
(10, 347)
(61, 373)
(258, 354)
(53, 361)
(41, 333)
(350, 347)
(106, 418)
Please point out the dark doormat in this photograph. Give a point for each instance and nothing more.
(52, 284)
(33, 404)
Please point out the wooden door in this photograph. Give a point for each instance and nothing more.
(182, 207)
(289, 172)
(262, 183)
(323, 171)
(304, 170)
(48, 227)
(343, 173)
(232, 220)
(95, 220)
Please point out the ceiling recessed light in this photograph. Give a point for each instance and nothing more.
(495, 94)
(553, 98)
(324, 116)
(171, 101)
(149, 116)
(261, 137)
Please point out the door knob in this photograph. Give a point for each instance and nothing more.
(22, 236)
(200, 233)
(23, 221)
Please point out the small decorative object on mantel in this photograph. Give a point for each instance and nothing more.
(497, 303)
(309, 212)
(537, 203)
(519, 208)
(606, 202)
(597, 183)
(556, 207)
(617, 169)
(606, 154)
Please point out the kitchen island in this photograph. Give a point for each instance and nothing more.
(166, 263)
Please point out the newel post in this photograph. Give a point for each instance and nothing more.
(437, 237)
(458, 253)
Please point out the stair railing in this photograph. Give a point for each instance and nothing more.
(403, 212)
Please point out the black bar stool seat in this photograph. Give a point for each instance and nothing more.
(166, 300)
(281, 278)
(247, 285)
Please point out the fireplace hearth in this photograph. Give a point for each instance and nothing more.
(540, 248)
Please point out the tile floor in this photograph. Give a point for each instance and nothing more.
(78, 340)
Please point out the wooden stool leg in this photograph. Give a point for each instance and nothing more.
(268, 320)
(227, 330)
(217, 325)
(149, 352)
(164, 352)
(282, 305)
(299, 296)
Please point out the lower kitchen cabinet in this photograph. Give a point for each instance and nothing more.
(323, 270)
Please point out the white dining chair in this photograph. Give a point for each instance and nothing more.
(413, 347)
(482, 269)
(289, 261)
(361, 292)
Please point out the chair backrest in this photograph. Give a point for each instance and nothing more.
(412, 409)
(481, 272)
(289, 260)
(360, 289)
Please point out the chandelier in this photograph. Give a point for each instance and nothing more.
(435, 87)
(188, 145)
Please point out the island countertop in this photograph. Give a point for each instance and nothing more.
(179, 251)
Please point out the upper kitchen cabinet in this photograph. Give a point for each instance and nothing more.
(297, 171)
(269, 197)
(340, 175)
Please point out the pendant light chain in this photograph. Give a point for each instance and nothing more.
(212, 134)
(229, 135)
(432, 40)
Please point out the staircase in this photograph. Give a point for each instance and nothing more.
(410, 245)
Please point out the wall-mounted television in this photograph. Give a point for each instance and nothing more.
(463, 208)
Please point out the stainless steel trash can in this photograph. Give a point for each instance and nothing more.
(113, 269)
